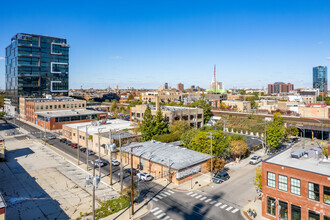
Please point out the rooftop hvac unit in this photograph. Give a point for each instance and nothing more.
(298, 153)
(315, 153)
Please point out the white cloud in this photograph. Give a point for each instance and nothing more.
(116, 58)
(2, 58)
(327, 58)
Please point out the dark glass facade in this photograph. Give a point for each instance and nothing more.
(320, 78)
(36, 65)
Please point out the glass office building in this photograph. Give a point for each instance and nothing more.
(320, 78)
(36, 66)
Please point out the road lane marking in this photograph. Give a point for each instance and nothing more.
(189, 193)
(197, 197)
(158, 212)
(167, 217)
(159, 197)
(208, 200)
(203, 198)
(193, 195)
(161, 215)
(229, 208)
(235, 210)
(170, 191)
(163, 194)
(218, 204)
(167, 193)
(212, 202)
(154, 209)
(223, 206)
(155, 199)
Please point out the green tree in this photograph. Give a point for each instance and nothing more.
(186, 137)
(237, 137)
(2, 114)
(147, 125)
(258, 178)
(179, 127)
(205, 106)
(161, 127)
(325, 151)
(239, 148)
(114, 105)
(218, 164)
(275, 131)
(291, 131)
(130, 97)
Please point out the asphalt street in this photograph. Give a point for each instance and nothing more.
(165, 203)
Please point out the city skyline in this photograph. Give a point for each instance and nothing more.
(145, 45)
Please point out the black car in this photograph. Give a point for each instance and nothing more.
(68, 143)
(221, 177)
(83, 149)
(129, 171)
(63, 140)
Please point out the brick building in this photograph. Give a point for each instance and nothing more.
(280, 87)
(296, 185)
(161, 159)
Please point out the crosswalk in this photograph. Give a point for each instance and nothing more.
(160, 214)
(162, 195)
(215, 203)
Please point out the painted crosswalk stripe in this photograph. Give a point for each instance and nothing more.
(154, 209)
(170, 191)
(197, 197)
(235, 210)
(208, 200)
(203, 198)
(161, 215)
(167, 193)
(193, 195)
(158, 212)
(162, 194)
(212, 202)
(159, 197)
(189, 193)
(229, 208)
(219, 203)
(155, 199)
(167, 217)
(223, 206)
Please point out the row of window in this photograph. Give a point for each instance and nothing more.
(80, 137)
(295, 187)
(282, 208)
(60, 106)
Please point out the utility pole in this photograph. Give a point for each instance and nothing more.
(87, 146)
(110, 140)
(45, 130)
(78, 145)
(132, 188)
(121, 165)
(99, 152)
(93, 191)
(211, 137)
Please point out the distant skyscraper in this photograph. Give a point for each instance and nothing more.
(165, 86)
(180, 86)
(320, 78)
(36, 65)
(280, 87)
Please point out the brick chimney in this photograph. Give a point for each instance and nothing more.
(157, 102)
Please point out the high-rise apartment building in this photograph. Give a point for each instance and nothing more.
(320, 78)
(36, 65)
(280, 87)
(180, 86)
(165, 86)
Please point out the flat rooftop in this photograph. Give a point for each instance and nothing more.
(172, 108)
(163, 153)
(304, 163)
(67, 113)
(122, 135)
(238, 101)
(53, 99)
(113, 124)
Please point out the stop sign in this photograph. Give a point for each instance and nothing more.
(190, 177)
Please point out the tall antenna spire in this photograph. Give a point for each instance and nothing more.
(214, 78)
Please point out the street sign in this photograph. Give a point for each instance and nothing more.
(190, 177)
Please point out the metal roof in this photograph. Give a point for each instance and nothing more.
(165, 154)
(66, 113)
(122, 135)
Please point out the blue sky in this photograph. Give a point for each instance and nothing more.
(146, 43)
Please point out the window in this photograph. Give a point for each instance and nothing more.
(326, 217)
(71, 105)
(37, 107)
(67, 106)
(83, 105)
(46, 106)
(283, 183)
(75, 105)
(59, 106)
(271, 206)
(63, 106)
(283, 210)
(313, 191)
(326, 195)
(74, 134)
(295, 212)
(313, 215)
(79, 105)
(138, 115)
(271, 179)
(42, 107)
(55, 106)
(295, 186)
(50, 107)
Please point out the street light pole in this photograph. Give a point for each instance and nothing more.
(86, 139)
(110, 140)
(211, 136)
(99, 151)
(93, 191)
(132, 188)
(121, 165)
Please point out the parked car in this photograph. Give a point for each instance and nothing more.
(221, 177)
(74, 145)
(255, 160)
(51, 137)
(63, 140)
(90, 152)
(99, 163)
(144, 176)
(83, 149)
(115, 162)
(68, 142)
(128, 170)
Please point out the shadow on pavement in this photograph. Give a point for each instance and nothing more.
(24, 196)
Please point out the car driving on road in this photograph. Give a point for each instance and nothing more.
(115, 162)
(90, 152)
(255, 160)
(221, 177)
(98, 163)
(128, 170)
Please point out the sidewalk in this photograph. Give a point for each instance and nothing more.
(253, 205)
